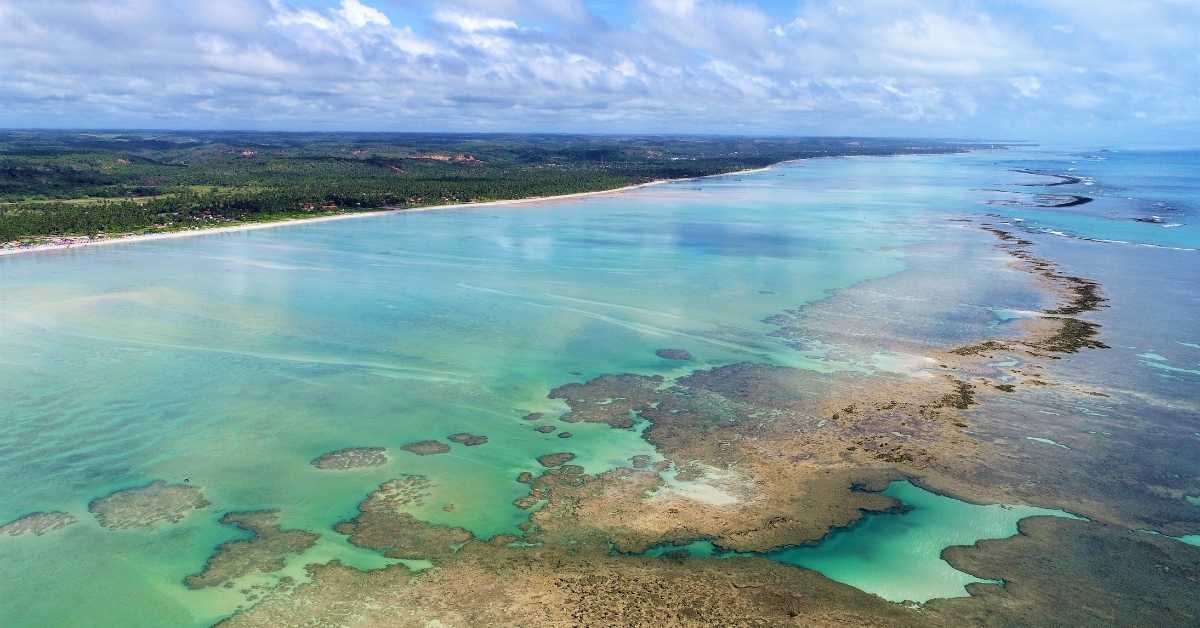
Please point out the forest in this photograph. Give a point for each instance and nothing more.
(93, 183)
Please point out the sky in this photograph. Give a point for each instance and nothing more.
(1082, 71)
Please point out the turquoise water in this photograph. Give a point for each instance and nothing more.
(1192, 539)
(233, 360)
(897, 556)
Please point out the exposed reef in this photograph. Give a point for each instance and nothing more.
(399, 494)
(264, 552)
(674, 354)
(384, 525)
(496, 582)
(1066, 334)
(352, 458)
(755, 449)
(554, 460)
(37, 523)
(611, 399)
(1061, 572)
(1055, 201)
(494, 586)
(470, 440)
(149, 505)
(1063, 179)
(757, 457)
(426, 447)
(962, 398)
(569, 577)
(1074, 200)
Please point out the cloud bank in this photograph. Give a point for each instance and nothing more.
(1075, 70)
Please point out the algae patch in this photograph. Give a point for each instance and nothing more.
(352, 458)
(556, 459)
(465, 438)
(146, 506)
(37, 523)
(383, 525)
(264, 552)
(426, 447)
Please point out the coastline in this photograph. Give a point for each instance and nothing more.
(961, 434)
(254, 226)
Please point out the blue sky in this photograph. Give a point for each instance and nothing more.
(1091, 72)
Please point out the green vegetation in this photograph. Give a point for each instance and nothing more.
(60, 183)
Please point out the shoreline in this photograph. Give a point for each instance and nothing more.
(387, 210)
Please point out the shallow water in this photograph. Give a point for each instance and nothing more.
(233, 360)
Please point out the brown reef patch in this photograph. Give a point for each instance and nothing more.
(962, 398)
(488, 585)
(352, 458)
(611, 399)
(768, 455)
(556, 459)
(674, 354)
(384, 525)
(470, 440)
(399, 494)
(576, 581)
(426, 447)
(37, 523)
(264, 552)
(149, 505)
(1077, 295)
(401, 535)
(1061, 572)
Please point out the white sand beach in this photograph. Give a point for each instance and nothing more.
(77, 242)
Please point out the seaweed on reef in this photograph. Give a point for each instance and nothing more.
(263, 552)
(37, 523)
(426, 447)
(352, 458)
(148, 505)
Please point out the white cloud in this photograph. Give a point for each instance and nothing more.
(1082, 100)
(875, 66)
(474, 23)
(220, 54)
(796, 25)
(359, 15)
(1027, 86)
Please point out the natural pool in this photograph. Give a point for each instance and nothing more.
(897, 555)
